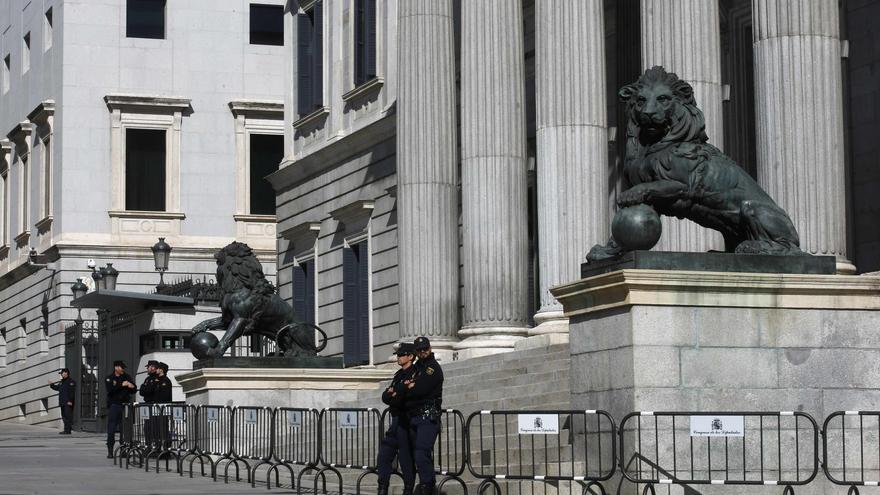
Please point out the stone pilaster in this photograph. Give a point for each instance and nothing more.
(572, 142)
(684, 37)
(427, 173)
(800, 125)
(494, 214)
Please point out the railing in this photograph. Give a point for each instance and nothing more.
(545, 446)
(580, 448)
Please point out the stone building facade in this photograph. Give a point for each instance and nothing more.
(124, 121)
(447, 161)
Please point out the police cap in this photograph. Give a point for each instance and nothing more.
(405, 349)
(64, 370)
(163, 367)
(422, 343)
(152, 362)
(119, 363)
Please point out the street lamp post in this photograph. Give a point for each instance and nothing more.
(161, 253)
(110, 276)
(78, 289)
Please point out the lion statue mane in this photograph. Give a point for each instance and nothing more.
(250, 306)
(671, 167)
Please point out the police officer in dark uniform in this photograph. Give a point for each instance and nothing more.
(66, 388)
(162, 395)
(423, 401)
(396, 443)
(147, 391)
(119, 387)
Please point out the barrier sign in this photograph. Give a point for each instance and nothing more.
(348, 419)
(177, 413)
(212, 414)
(717, 426)
(538, 424)
(294, 419)
(250, 415)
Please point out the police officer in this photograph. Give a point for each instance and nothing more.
(162, 396)
(66, 388)
(119, 387)
(396, 439)
(424, 398)
(147, 391)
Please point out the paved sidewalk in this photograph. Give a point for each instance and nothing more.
(35, 460)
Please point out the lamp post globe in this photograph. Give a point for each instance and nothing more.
(161, 253)
(110, 276)
(78, 289)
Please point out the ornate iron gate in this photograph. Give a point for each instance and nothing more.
(81, 357)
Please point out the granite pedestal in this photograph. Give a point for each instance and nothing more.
(674, 340)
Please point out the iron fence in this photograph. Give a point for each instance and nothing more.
(541, 446)
(583, 449)
(719, 448)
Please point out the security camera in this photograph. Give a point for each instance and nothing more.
(91, 263)
(32, 255)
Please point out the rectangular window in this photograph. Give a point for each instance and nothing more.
(24, 203)
(2, 347)
(266, 153)
(46, 173)
(267, 24)
(365, 41)
(310, 60)
(304, 291)
(7, 70)
(5, 205)
(145, 19)
(26, 53)
(47, 30)
(145, 169)
(356, 304)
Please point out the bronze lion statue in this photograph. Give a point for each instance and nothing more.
(671, 167)
(250, 306)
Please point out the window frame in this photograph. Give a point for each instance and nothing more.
(26, 53)
(366, 24)
(146, 112)
(43, 119)
(48, 29)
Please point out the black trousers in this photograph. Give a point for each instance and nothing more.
(114, 419)
(67, 417)
(396, 443)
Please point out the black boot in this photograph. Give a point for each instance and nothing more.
(407, 490)
(425, 489)
(382, 489)
(109, 452)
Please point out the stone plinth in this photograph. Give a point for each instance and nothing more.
(662, 340)
(688, 341)
(278, 387)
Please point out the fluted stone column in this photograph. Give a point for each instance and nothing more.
(427, 173)
(572, 141)
(494, 213)
(800, 118)
(684, 37)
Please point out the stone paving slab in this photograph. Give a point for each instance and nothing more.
(36, 460)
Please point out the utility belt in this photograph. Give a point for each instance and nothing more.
(427, 411)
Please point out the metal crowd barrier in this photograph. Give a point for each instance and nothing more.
(350, 439)
(296, 443)
(719, 448)
(541, 446)
(854, 439)
(214, 438)
(252, 435)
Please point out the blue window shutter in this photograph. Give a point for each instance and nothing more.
(318, 57)
(370, 55)
(360, 33)
(309, 293)
(299, 292)
(363, 304)
(304, 64)
(349, 306)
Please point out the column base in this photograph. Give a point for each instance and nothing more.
(845, 267)
(484, 341)
(549, 321)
